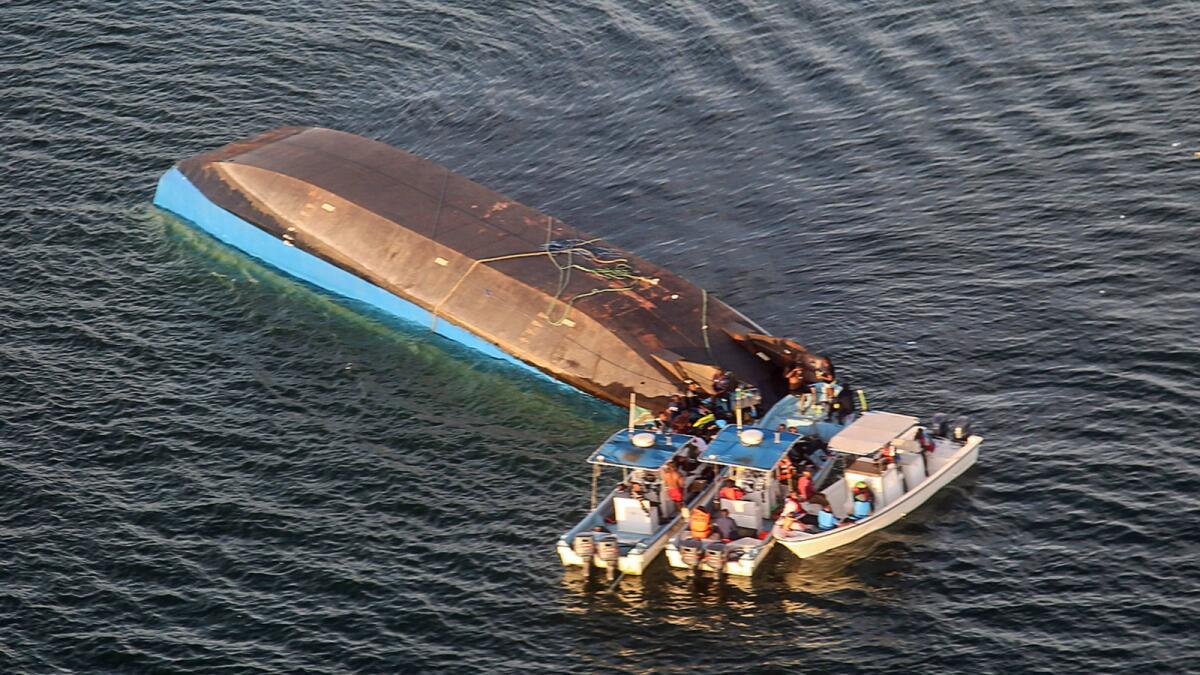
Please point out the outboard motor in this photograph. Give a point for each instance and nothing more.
(939, 425)
(715, 556)
(961, 430)
(584, 546)
(691, 551)
(609, 551)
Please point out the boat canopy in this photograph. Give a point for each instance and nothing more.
(620, 450)
(730, 449)
(870, 432)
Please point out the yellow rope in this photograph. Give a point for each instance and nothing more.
(564, 276)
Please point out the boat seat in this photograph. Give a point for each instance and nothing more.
(626, 538)
(744, 542)
(631, 517)
(744, 512)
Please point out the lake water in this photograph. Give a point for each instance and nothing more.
(977, 208)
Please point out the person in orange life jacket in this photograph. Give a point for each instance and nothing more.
(673, 481)
(784, 472)
(804, 485)
(888, 454)
(725, 526)
(731, 491)
(700, 523)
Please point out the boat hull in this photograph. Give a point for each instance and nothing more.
(399, 232)
(807, 546)
(744, 566)
(630, 563)
(175, 193)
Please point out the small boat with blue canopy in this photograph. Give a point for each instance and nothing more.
(626, 530)
(753, 459)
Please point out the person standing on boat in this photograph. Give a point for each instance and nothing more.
(843, 404)
(638, 492)
(673, 480)
(676, 407)
(795, 380)
(927, 445)
(785, 472)
(723, 385)
(694, 396)
(804, 485)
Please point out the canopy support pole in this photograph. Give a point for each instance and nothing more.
(595, 481)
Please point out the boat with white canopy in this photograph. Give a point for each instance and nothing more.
(754, 458)
(896, 465)
(632, 524)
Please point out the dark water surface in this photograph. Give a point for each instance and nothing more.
(987, 208)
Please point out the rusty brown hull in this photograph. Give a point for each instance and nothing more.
(564, 302)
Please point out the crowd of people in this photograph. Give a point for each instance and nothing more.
(696, 412)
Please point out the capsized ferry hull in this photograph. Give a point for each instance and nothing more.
(377, 224)
(816, 544)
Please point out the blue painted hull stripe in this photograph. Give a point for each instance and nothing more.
(176, 194)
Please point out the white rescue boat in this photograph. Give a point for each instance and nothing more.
(889, 457)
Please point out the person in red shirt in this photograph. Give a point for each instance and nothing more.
(804, 485)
